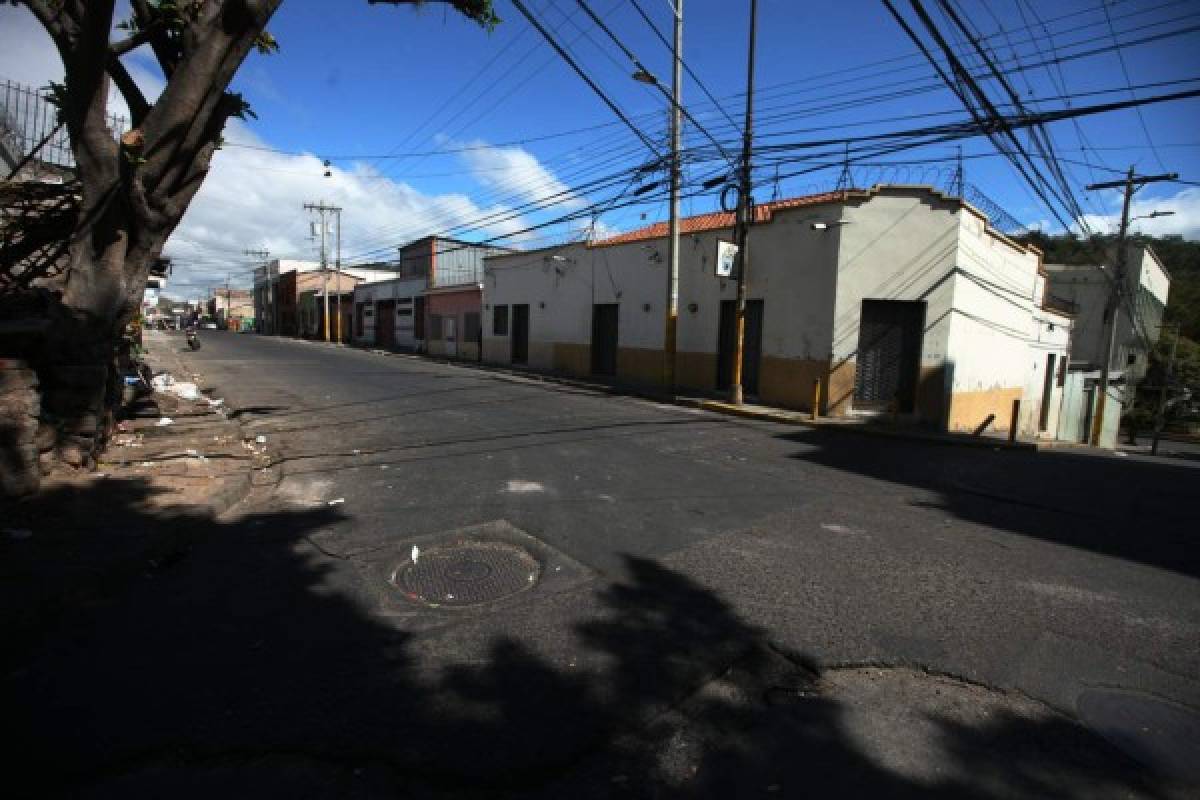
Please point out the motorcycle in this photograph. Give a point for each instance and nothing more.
(193, 341)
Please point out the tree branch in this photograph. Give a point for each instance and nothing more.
(164, 51)
(139, 107)
(135, 41)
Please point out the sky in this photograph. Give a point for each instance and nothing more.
(431, 124)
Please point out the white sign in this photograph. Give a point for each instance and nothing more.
(726, 258)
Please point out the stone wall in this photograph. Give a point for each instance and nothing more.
(20, 407)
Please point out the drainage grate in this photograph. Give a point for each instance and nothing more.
(467, 574)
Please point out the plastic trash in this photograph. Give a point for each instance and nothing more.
(336, 502)
(164, 422)
(416, 553)
(260, 439)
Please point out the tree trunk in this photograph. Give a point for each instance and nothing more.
(78, 369)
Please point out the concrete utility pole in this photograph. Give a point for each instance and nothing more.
(337, 264)
(743, 218)
(671, 334)
(321, 209)
(263, 255)
(1112, 310)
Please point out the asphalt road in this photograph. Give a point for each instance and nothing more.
(674, 543)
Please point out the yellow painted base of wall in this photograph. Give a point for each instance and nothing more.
(839, 389)
(969, 409)
(639, 365)
(573, 359)
(696, 371)
(788, 382)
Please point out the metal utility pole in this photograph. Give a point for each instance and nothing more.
(1112, 309)
(321, 209)
(1160, 414)
(671, 334)
(743, 218)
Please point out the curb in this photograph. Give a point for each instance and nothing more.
(783, 417)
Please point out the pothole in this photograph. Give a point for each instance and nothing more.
(466, 573)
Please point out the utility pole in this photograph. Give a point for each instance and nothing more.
(1112, 309)
(743, 218)
(1160, 414)
(263, 255)
(337, 263)
(671, 334)
(321, 209)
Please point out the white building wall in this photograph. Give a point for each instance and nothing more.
(404, 292)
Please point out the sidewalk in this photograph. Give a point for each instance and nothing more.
(710, 402)
(174, 466)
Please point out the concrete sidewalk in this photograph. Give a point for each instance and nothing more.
(173, 467)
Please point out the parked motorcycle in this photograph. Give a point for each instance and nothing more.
(193, 341)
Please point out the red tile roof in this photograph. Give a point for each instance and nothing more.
(719, 219)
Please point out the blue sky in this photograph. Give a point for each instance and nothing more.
(507, 128)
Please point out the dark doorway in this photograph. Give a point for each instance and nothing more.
(604, 338)
(752, 346)
(520, 333)
(889, 354)
(419, 318)
(1047, 390)
(385, 323)
(360, 325)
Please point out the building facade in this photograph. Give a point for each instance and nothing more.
(898, 300)
(390, 314)
(434, 304)
(1086, 289)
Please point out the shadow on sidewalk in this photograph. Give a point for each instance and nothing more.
(231, 662)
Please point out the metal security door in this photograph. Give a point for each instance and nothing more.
(604, 338)
(520, 333)
(889, 351)
(385, 323)
(751, 344)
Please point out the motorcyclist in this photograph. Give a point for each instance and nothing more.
(193, 341)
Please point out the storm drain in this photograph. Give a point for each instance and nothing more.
(466, 574)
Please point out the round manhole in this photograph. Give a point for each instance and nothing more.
(466, 574)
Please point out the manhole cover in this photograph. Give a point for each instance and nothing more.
(467, 574)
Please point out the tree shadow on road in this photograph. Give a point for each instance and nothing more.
(1131, 509)
(251, 664)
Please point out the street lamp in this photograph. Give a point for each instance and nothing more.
(1154, 214)
(642, 76)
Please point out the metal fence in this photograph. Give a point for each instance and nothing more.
(28, 118)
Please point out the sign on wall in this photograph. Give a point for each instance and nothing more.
(726, 258)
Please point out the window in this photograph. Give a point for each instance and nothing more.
(499, 320)
(471, 327)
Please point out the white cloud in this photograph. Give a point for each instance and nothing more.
(253, 198)
(515, 171)
(1185, 220)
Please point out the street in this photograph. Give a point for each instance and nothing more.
(678, 548)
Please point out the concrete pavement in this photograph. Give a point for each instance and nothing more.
(703, 564)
